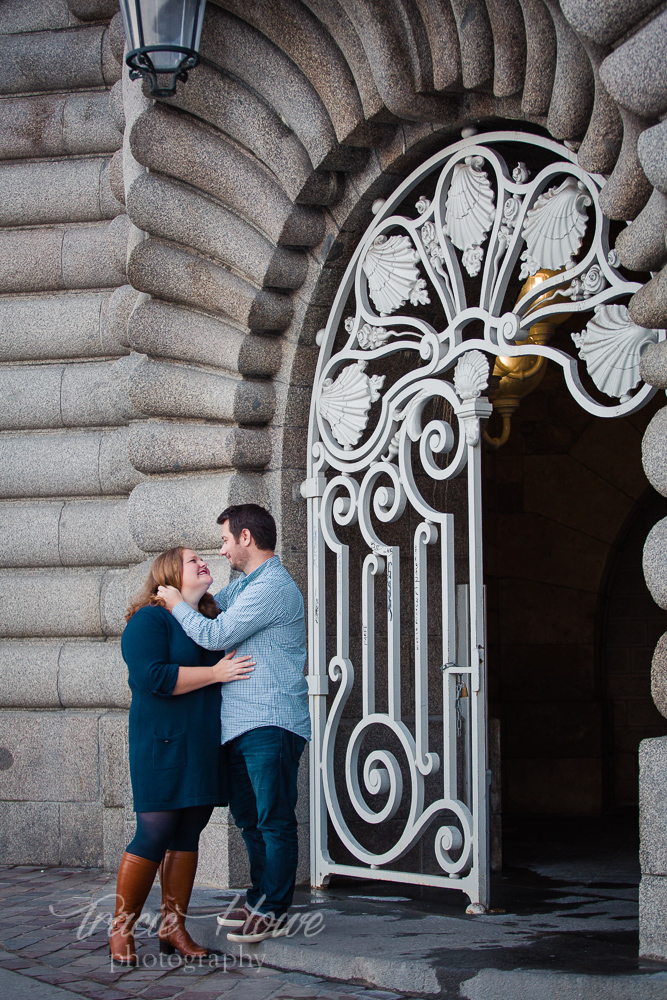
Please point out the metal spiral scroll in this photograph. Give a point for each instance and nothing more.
(381, 770)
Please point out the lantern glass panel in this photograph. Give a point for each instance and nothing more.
(158, 23)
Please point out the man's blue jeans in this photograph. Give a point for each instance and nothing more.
(263, 766)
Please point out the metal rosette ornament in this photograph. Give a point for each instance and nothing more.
(474, 261)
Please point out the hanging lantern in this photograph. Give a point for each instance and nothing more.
(163, 39)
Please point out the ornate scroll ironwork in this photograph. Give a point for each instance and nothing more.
(375, 443)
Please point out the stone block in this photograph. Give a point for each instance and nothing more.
(30, 833)
(653, 806)
(172, 144)
(652, 917)
(607, 20)
(112, 71)
(183, 511)
(81, 834)
(37, 260)
(114, 601)
(654, 449)
(41, 327)
(652, 152)
(166, 331)
(572, 95)
(33, 15)
(115, 769)
(55, 757)
(634, 73)
(116, 474)
(641, 247)
(655, 562)
(113, 837)
(95, 532)
(52, 60)
(659, 676)
(31, 396)
(57, 125)
(94, 256)
(29, 674)
(157, 446)
(92, 675)
(627, 190)
(77, 533)
(121, 304)
(31, 260)
(174, 274)
(69, 602)
(241, 114)
(29, 533)
(116, 108)
(648, 306)
(213, 867)
(93, 10)
(117, 36)
(52, 192)
(93, 395)
(162, 389)
(178, 214)
(73, 395)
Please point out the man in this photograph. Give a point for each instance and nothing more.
(265, 721)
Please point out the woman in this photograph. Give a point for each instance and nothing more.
(175, 757)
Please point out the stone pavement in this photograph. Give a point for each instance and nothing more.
(564, 928)
(51, 937)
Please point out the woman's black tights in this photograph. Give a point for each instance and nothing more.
(171, 830)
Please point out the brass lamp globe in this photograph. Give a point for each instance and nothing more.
(163, 40)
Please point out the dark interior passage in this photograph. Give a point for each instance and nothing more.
(571, 624)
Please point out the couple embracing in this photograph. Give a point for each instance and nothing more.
(219, 716)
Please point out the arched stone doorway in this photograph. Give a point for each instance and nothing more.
(408, 311)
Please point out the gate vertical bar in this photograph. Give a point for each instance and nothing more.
(477, 693)
(317, 679)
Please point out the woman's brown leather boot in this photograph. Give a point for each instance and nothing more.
(135, 878)
(177, 874)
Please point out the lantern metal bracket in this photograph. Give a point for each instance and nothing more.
(141, 65)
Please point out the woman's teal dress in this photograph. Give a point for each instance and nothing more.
(175, 753)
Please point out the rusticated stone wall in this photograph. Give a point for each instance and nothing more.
(164, 267)
(65, 544)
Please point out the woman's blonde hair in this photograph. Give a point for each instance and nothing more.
(167, 571)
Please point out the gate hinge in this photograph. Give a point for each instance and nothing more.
(313, 487)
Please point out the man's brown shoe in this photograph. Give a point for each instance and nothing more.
(234, 918)
(259, 927)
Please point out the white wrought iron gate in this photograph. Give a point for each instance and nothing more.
(431, 299)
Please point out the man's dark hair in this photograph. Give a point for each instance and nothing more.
(256, 519)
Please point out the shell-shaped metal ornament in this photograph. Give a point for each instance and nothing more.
(555, 227)
(469, 210)
(392, 274)
(611, 346)
(471, 375)
(344, 402)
